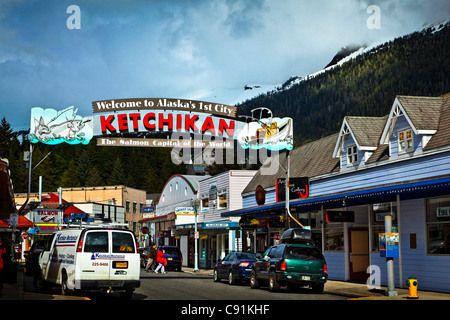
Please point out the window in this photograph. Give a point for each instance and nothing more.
(303, 253)
(222, 199)
(405, 141)
(334, 236)
(438, 225)
(134, 207)
(170, 188)
(96, 242)
(123, 242)
(176, 186)
(205, 203)
(352, 155)
(127, 206)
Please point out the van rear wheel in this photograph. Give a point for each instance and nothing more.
(64, 289)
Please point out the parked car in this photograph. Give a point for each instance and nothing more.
(32, 257)
(236, 266)
(173, 256)
(293, 263)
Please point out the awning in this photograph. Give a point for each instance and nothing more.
(23, 223)
(414, 190)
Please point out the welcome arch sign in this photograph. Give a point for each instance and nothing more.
(213, 125)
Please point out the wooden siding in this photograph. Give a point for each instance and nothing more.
(410, 169)
(432, 271)
(234, 182)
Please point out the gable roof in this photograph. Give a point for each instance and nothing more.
(422, 114)
(442, 136)
(365, 131)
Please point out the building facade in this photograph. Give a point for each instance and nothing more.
(396, 166)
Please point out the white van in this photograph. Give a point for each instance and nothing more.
(90, 259)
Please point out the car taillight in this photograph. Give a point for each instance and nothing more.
(80, 246)
(283, 266)
(244, 264)
(325, 268)
(137, 247)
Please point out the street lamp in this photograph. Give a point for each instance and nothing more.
(195, 204)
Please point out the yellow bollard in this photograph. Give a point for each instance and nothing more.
(412, 284)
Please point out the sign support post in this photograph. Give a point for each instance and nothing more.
(389, 260)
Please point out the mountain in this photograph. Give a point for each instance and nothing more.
(363, 83)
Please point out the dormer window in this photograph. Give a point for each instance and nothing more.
(352, 155)
(405, 141)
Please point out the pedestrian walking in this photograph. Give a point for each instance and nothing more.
(151, 258)
(162, 262)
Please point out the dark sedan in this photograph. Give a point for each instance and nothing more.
(236, 266)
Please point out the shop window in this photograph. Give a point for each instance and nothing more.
(438, 225)
(334, 237)
(380, 210)
(205, 203)
(352, 155)
(405, 141)
(222, 196)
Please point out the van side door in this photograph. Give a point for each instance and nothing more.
(46, 256)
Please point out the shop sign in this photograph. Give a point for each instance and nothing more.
(443, 212)
(184, 211)
(340, 216)
(298, 188)
(380, 216)
(389, 245)
(46, 216)
(148, 209)
(48, 227)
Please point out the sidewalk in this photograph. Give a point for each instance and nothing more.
(354, 291)
(358, 291)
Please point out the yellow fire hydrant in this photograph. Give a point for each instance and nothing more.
(412, 284)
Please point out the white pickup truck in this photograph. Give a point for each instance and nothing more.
(90, 259)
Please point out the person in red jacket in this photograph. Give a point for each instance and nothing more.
(162, 262)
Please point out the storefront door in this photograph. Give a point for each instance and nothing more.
(359, 253)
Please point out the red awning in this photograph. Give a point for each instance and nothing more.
(23, 223)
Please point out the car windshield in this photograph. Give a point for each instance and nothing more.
(303, 253)
(245, 255)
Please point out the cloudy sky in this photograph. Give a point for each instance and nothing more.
(179, 48)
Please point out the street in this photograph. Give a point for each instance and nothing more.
(188, 286)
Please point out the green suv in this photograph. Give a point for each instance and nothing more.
(293, 263)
